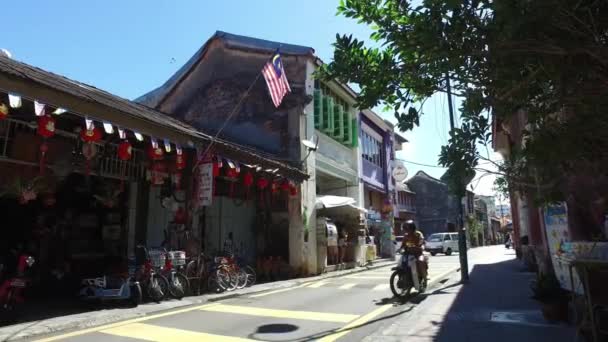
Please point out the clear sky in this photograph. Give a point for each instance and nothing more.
(130, 47)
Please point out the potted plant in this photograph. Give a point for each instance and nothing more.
(553, 298)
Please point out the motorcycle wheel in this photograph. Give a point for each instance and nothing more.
(178, 286)
(157, 287)
(395, 289)
(136, 295)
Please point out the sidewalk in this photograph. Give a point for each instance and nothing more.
(37, 329)
(495, 306)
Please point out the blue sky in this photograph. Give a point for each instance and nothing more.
(131, 47)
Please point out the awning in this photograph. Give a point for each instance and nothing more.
(338, 205)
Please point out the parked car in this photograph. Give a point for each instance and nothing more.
(445, 243)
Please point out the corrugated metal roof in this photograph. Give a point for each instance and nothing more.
(17, 70)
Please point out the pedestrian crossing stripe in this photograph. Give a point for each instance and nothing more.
(381, 287)
(347, 286)
(318, 284)
(275, 313)
(365, 277)
(149, 332)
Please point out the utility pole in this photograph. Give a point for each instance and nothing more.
(462, 237)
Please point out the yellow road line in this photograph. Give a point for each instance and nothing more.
(347, 286)
(262, 312)
(381, 287)
(278, 291)
(318, 284)
(148, 332)
(118, 324)
(356, 323)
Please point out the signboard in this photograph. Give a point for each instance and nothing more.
(205, 185)
(556, 226)
(399, 172)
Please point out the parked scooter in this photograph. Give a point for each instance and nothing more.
(111, 288)
(12, 289)
(405, 276)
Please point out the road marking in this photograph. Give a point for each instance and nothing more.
(305, 315)
(154, 333)
(347, 286)
(356, 323)
(318, 284)
(263, 294)
(365, 277)
(381, 287)
(118, 324)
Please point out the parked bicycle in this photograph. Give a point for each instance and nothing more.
(174, 263)
(155, 285)
(203, 272)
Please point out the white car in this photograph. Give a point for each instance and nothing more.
(445, 243)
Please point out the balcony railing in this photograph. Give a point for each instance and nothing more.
(406, 208)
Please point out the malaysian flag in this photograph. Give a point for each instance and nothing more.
(274, 74)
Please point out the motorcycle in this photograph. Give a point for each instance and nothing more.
(405, 276)
(12, 289)
(111, 288)
(508, 244)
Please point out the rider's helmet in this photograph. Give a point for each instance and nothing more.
(410, 226)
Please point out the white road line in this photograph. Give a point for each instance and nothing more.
(318, 284)
(347, 286)
(381, 287)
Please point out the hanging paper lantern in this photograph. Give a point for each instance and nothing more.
(46, 126)
(285, 185)
(91, 135)
(3, 111)
(180, 162)
(156, 153)
(275, 186)
(262, 183)
(293, 189)
(248, 182)
(125, 150)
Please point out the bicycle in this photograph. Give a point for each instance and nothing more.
(201, 270)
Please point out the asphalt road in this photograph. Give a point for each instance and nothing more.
(347, 308)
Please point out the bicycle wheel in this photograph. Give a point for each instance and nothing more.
(226, 279)
(251, 276)
(241, 276)
(194, 273)
(178, 285)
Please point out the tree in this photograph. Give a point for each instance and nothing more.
(544, 59)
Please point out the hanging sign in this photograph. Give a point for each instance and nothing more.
(205, 185)
(399, 172)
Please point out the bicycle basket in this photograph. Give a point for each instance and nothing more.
(178, 258)
(157, 258)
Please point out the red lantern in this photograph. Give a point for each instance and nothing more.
(180, 162)
(293, 190)
(90, 135)
(216, 169)
(180, 216)
(262, 185)
(46, 126)
(248, 182)
(285, 185)
(125, 150)
(156, 153)
(3, 111)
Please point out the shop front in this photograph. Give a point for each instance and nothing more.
(87, 176)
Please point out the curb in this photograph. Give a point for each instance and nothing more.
(47, 328)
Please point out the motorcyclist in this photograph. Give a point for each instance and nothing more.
(413, 241)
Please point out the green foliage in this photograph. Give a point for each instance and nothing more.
(474, 227)
(547, 58)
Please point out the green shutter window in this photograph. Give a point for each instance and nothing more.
(348, 129)
(338, 133)
(328, 115)
(355, 134)
(318, 109)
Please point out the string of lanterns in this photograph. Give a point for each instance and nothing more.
(91, 134)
